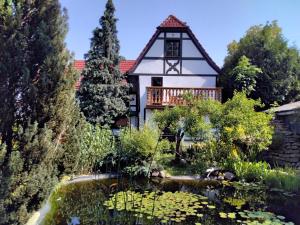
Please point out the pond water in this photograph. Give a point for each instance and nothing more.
(122, 202)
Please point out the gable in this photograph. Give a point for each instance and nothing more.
(192, 59)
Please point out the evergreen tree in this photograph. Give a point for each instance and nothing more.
(38, 109)
(103, 94)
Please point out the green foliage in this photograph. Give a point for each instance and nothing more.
(143, 144)
(242, 127)
(251, 171)
(103, 94)
(37, 104)
(140, 150)
(161, 205)
(279, 178)
(172, 118)
(222, 128)
(96, 144)
(283, 178)
(267, 49)
(203, 155)
(244, 75)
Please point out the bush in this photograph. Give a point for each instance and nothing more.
(96, 144)
(250, 171)
(202, 155)
(138, 148)
(140, 145)
(242, 127)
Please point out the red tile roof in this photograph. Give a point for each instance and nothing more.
(172, 21)
(125, 65)
(79, 65)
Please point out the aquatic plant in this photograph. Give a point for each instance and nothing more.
(230, 215)
(237, 203)
(262, 218)
(166, 206)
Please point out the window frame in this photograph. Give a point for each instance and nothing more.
(152, 81)
(169, 40)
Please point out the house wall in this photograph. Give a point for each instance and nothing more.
(196, 67)
(190, 70)
(157, 49)
(172, 81)
(189, 49)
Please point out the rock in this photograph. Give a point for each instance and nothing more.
(182, 162)
(229, 176)
(161, 174)
(213, 171)
(220, 178)
(155, 174)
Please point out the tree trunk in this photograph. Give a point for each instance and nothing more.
(178, 151)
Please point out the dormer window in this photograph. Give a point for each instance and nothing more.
(172, 48)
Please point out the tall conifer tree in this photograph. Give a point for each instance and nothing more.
(103, 93)
(37, 104)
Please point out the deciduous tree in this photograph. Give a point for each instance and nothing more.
(266, 48)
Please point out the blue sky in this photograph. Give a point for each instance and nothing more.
(214, 22)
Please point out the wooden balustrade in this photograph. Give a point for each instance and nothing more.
(163, 96)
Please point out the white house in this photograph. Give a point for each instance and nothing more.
(171, 64)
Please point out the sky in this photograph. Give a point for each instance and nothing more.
(215, 23)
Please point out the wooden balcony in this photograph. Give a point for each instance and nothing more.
(169, 96)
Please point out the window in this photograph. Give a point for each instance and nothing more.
(172, 48)
(156, 82)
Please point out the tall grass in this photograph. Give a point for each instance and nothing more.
(286, 179)
(282, 178)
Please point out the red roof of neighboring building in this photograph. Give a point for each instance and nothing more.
(172, 21)
(79, 64)
(125, 65)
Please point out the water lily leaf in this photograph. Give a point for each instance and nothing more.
(223, 215)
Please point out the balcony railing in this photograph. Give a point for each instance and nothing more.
(163, 96)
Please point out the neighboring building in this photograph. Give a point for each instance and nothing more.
(172, 63)
(289, 115)
(285, 149)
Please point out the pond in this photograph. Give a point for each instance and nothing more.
(164, 201)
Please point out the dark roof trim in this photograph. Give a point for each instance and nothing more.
(203, 52)
(144, 52)
(175, 74)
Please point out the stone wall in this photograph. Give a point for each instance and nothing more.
(285, 149)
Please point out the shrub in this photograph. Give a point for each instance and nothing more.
(96, 144)
(140, 145)
(242, 127)
(250, 171)
(203, 155)
(139, 148)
